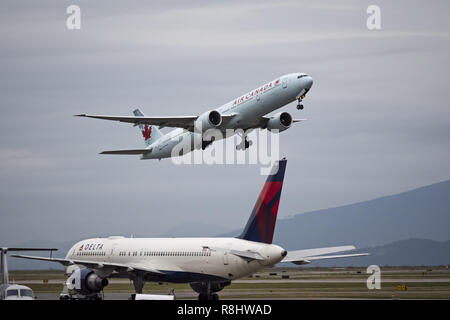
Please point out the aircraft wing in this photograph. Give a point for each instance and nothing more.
(308, 255)
(129, 151)
(185, 122)
(95, 264)
(262, 123)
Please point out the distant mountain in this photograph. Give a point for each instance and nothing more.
(420, 213)
(411, 252)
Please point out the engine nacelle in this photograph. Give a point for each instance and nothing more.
(202, 287)
(208, 120)
(280, 121)
(85, 281)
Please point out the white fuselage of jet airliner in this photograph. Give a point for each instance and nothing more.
(247, 110)
(181, 259)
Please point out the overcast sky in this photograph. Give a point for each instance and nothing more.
(378, 112)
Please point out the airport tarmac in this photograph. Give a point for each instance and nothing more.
(279, 283)
(342, 280)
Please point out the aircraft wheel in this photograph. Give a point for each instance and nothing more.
(300, 107)
(215, 297)
(202, 297)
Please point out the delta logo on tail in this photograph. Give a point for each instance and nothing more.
(147, 132)
(261, 225)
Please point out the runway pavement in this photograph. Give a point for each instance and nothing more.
(273, 281)
(309, 284)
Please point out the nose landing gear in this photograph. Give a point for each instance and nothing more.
(300, 105)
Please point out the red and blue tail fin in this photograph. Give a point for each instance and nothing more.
(261, 224)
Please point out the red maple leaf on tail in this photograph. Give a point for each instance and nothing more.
(147, 132)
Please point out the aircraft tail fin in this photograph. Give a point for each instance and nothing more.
(149, 132)
(261, 224)
(4, 262)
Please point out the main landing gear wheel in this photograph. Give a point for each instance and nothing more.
(207, 294)
(206, 297)
(245, 144)
(138, 283)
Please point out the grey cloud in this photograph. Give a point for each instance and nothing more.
(377, 114)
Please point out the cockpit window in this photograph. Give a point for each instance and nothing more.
(12, 292)
(301, 76)
(26, 293)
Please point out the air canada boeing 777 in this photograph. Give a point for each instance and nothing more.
(239, 116)
(207, 264)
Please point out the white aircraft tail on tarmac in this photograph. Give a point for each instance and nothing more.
(207, 264)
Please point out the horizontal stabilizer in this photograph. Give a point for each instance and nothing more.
(307, 260)
(247, 255)
(250, 255)
(130, 151)
(308, 255)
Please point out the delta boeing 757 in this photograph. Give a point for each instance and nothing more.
(247, 112)
(207, 264)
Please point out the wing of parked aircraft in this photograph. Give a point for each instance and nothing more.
(185, 122)
(96, 264)
(306, 256)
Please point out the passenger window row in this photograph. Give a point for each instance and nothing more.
(166, 253)
(91, 253)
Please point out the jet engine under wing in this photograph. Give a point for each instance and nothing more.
(185, 122)
(94, 264)
(308, 255)
(262, 122)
